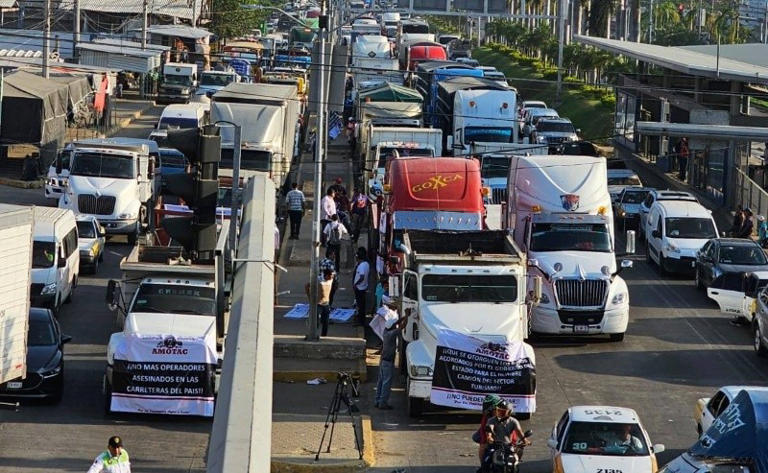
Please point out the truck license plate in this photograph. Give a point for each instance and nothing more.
(581, 328)
(14, 385)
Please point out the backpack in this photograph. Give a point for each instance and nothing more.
(335, 235)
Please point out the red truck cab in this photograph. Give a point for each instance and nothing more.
(424, 52)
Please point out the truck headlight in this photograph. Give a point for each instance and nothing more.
(619, 298)
(48, 289)
(127, 216)
(420, 371)
(671, 248)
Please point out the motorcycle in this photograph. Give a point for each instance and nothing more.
(505, 458)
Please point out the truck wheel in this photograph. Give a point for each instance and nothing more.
(616, 337)
(415, 407)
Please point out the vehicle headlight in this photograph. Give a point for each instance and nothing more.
(420, 371)
(48, 289)
(94, 250)
(127, 216)
(541, 139)
(544, 299)
(49, 373)
(619, 298)
(671, 248)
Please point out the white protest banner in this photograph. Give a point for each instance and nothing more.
(469, 368)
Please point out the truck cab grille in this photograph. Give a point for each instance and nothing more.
(90, 204)
(581, 293)
(498, 195)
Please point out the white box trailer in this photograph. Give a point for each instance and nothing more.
(16, 225)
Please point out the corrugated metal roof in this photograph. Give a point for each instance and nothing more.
(682, 60)
(33, 40)
(7, 3)
(121, 59)
(175, 8)
(182, 31)
(130, 44)
(750, 53)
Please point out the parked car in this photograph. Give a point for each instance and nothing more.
(720, 256)
(618, 179)
(655, 195)
(627, 205)
(594, 438)
(45, 360)
(91, 240)
(709, 408)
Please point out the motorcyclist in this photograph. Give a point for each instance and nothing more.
(479, 437)
(503, 428)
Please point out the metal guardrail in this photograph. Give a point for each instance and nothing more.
(241, 437)
(750, 194)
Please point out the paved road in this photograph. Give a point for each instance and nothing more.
(678, 348)
(67, 436)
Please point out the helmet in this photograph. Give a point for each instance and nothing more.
(490, 401)
(502, 405)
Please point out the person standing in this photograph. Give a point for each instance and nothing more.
(360, 284)
(295, 201)
(392, 326)
(738, 222)
(327, 209)
(747, 226)
(334, 233)
(359, 213)
(683, 152)
(113, 460)
(338, 187)
(762, 231)
(324, 287)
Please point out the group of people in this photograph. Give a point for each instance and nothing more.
(743, 226)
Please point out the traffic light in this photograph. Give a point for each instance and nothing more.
(199, 189)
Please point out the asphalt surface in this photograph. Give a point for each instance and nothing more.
(66, 437)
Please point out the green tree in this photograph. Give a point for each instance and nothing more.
(599, 15)
(229, 19)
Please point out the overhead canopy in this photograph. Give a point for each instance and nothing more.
(122, 58)
(78, 86)
(34, 109)
(388, 92)
(740, 433)
(181, 31)
(389, 110)
(173, 8)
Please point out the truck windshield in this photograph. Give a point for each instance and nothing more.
(464, 288)
(102, 165)
(43, 254)
(688, 227)
(604, 438)
(216, 79)
(557, 127)
(178, 80)
(177, 122)
(488, 134)
(495, 167)
(418, 28)
(567, 236)
(175, 299)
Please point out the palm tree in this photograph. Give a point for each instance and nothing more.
(599, 16)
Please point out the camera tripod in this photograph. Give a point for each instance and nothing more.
(341, 395)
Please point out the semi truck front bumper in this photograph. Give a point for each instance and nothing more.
(420, 388)
(551, 321)
(119, 227)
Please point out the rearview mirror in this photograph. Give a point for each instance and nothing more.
(537, 288)
(102, 231)
(62, 263)
(626, 264)
(658, 448)
(552, 443)
(65, 339)
(59, 166)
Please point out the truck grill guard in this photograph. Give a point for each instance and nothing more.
(581, 293)
(90, 204)
(498, 195)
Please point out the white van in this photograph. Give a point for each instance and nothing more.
(676, 230)
(190, 115)
(55, 257)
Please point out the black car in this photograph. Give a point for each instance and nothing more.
(45, 360)
(720, 256)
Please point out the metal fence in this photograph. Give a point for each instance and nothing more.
(750, 194)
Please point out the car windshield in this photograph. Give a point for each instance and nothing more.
(603, 438)
(216, 79)
(464, 288)
(689, 227)
(567, 236)
(43, 254)
(624, 181)
(634, 197)
(178, 80)
(41, 333)
(175, 299)
(559, 127)
(86, 230)
(177, 122)
(742, 254)
(495, 167)
(102, 165)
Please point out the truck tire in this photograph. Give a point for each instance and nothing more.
(616, 337)
(415, 407)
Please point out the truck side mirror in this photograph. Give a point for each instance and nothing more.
(630, 249)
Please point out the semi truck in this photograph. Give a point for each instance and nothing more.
(178, 84)
(417, 52)
(171, 315)
(559, 212)
(411, 31)
(372, 60)
(111, 179)
(268, 116)
(470, 282)
(378, 142)
(428, 76)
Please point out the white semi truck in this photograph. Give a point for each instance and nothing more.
(559, 212)
(470, 282)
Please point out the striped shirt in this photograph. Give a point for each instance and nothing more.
(295, 200)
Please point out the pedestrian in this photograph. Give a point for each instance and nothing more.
(382, 289)
(113, 460)
(327, 208)
(762, 231)
(360, 284)
(119, 90)
(738, 221)
(343, 207)
(683, 153)
(335, 232)
(324, 287)
(747, 226)
(392, 326)
(359, 213)
(338, 186)
(295, 201)
(327, 263)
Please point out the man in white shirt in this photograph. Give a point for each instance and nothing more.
(334, 233)
(360, 283)
(327, 209)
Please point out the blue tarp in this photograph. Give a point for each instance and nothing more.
(739, 433)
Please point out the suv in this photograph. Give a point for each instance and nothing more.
(655, 195)
(554, 131)
(529, 116)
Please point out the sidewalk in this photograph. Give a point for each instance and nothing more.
(300, 410)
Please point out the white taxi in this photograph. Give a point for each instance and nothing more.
(601, 439)
(709, 408)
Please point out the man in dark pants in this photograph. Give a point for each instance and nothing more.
(295, 201)
(360, 283)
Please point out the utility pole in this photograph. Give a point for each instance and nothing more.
(46, 36)
(650, 24)
(560, 41)
(144, 19)
(314, 264)
(76, 33)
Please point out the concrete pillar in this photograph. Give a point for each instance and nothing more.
(735, 105)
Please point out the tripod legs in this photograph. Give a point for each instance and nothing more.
(339, 396)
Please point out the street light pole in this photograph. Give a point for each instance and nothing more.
(560, 41)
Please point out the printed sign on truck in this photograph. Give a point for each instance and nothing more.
(468, 368)
(164, 375)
